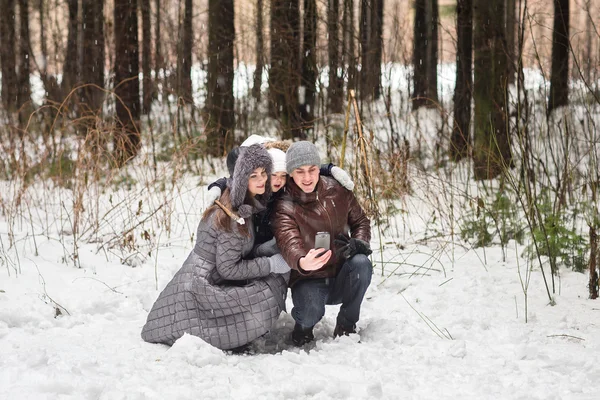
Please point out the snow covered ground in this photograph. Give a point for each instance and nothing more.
(438, 323)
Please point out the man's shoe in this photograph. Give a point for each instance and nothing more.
(301, 336)
(343, 330)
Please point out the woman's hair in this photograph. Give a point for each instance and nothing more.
(222, 221)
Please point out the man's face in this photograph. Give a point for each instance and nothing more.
(306, 177)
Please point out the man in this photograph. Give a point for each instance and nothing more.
(341, 275)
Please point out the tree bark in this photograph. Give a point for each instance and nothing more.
(348, 44)
(559, 79)
(157, 49)
(8, 55)
(284, 75)
(92, 64)
(260, 48)
(185, 74)
(377, 46)
(70, 63)
(371, 30)
(24, 87)
(433, 17)
(491, 152)
(219, 98)
(335, 92)
(459, 143)
(419, 59)
(127, 83)
(511, 22)
(306, 98)
(146, 56)
(364, 40)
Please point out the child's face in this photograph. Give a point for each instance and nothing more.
(278, 180)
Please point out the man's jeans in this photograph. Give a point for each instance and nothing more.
(311, 295)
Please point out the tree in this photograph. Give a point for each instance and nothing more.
(309, 67)
(335, 91)
(7, 55)
(24, 87)
(371, 47)
(92, 63)
(284, 75)
(511, 22)
(127, 84)
(459, 142)
(425, 53)
(260, 48)
(70, 62)
(348, 43)
(146, 50)
(157, 48)
(219, 97)
(559, 78)
(491, 150)
(184, 70)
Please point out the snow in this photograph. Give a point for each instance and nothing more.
(437, 323)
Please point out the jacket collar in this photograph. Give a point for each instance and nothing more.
(299, 196)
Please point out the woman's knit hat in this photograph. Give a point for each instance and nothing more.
(250, 158)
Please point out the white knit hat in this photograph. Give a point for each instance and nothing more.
(278, 157)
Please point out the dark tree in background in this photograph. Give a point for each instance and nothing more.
(425, 49)
(511, 39)
(260, 48)
(92, 65)
(70, 61)
(371, 48)
(127, 83)
(559, 79)
(491, 147)
(146, 56)
(8, 55)
(335, 90)
(24, 88)
(157, 49)
(348, 43)
(184, 70)
(219, 100)
(459, 142)
(284, 75)
(309, 69)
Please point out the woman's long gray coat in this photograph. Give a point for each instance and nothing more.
(217, 294)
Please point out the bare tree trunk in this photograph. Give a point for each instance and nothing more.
(306, 98)
(559, 79)
(219, 96)
(185, 90)
(71, 60)
(284, 75)
(377, 46)
(157, 49)
(8, 55)
(260, 48)
(146, 50)
(459, 143)
(433, 16)
(24, 87)
(127, 83)
(92, 64)
(419, 59)
(335, 92)
(371, 29)
(348, 45)
(491, 151)
(364, 40)
(511, 20)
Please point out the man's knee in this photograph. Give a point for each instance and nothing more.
(361, 268)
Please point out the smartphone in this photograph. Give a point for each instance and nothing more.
(322, 240)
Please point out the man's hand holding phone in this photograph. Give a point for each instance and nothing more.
(317, 257)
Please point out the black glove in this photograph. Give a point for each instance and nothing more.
(349, 247)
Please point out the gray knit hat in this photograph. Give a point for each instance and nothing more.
(300, 154)
(250, 158)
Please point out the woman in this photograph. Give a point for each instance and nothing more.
(219, 294)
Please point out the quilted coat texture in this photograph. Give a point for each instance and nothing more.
(218, 295)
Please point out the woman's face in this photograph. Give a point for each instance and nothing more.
(278, 180)
(257, 182)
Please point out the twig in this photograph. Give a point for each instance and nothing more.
(567, 336)
(233, 216)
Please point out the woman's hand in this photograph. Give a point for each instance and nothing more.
(311, 262)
